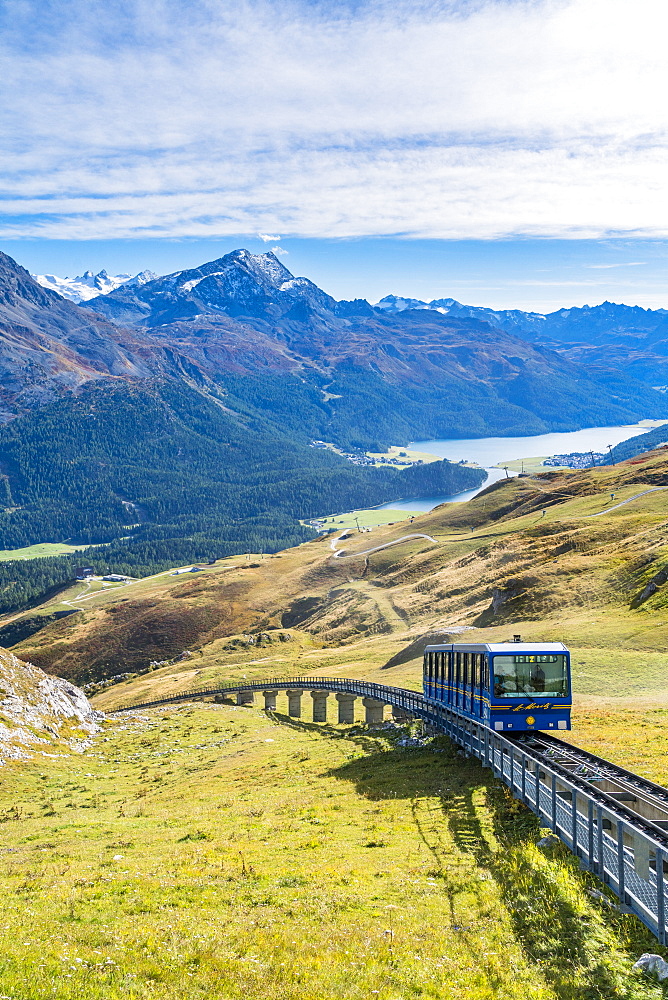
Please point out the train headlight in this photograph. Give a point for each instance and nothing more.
(530, 720)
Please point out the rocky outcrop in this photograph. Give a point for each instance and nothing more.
(651, 588)
(38, 710)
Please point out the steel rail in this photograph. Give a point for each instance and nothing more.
(636, 781)
(624, 849)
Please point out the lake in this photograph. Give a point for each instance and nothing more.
(492, 451)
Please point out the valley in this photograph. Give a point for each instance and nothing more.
(222, 838)
(194, 399)
(552, 556)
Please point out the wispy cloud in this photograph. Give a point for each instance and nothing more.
(452, 119)
(606, 267)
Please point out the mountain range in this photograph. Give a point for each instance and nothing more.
(354, 374)
(88, 285)
(630, 337)
(173, 415)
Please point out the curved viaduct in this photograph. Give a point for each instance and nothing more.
(404, 703)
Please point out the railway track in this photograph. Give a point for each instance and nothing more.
(640, 796)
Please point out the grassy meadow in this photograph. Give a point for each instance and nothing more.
(39, 551)
(213, 851)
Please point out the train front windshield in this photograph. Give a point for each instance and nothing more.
(533, 674)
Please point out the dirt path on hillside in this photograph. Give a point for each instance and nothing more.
(341, 553)
(654, 489)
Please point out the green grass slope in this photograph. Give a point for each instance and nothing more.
(217, 852)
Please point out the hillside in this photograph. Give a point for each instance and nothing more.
(40, 713)
(495, 563)
(608, 335)
(49, 346)
(273, 857)
(215, 852)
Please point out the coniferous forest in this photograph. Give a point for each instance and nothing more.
(155, 474)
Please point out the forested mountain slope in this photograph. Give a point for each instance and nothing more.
(187, 435)
(168, 473)
(385, 377)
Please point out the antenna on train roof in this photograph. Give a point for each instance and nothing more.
(517, 638)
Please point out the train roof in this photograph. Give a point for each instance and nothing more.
(501, 647)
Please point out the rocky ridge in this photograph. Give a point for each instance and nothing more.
(40, 711)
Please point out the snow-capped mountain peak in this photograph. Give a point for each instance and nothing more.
(265, 266)
(88, 285)
(397, 303)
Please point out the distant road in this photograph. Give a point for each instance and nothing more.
(654, 489)
(341, 553)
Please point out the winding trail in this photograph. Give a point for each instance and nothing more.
(654, 489)
(341, 553)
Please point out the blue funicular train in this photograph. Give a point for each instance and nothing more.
(514, 686)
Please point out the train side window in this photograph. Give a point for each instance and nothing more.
(439, 667)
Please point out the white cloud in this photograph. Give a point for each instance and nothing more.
(486, 119)
(280, 252)
(606, 267)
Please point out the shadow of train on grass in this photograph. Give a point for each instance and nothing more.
(574, 941)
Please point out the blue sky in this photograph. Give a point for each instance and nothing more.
(504, 152)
